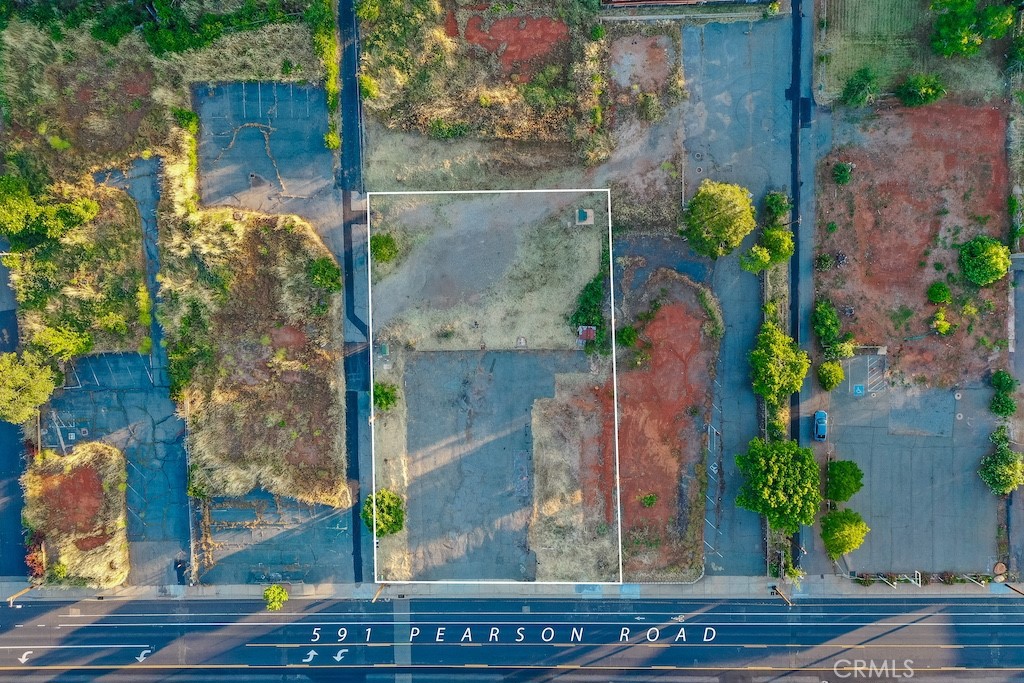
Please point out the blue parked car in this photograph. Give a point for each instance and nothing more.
(820, 425)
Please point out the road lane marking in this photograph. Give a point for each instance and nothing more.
(68, 647)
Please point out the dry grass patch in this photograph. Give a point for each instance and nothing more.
(75, 511)
(394, 561)
(255, 356)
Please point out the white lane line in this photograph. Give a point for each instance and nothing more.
(68, 647)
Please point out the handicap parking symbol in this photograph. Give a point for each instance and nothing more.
(858, 389)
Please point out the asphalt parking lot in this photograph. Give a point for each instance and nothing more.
(919, 449)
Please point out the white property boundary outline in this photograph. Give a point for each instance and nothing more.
(615, 381)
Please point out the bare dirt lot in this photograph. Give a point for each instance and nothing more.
(495, 271)
(925, 181)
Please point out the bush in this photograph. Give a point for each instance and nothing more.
(830, 375)
(861, 88)
(920, 89)
(1003, 381)
(781, 482)
(777, 205)
(1003, 404)
(385, 396)
(627, 336)
(778, 241)
(275, 596)
(368, 87)
(938, 293)
(649, 500)
(941, 325)
(332, 140)
(842, 532)
(390, 512)
(187, 119)
(717, 218)
(1002, 470)
(383, 247)
(842, 173)
(825, 322)
(984, 260)
(597, 32)
(778, 366)
(324, 273)
(648, 106)
(590, 305)
(824, 262)
(756, 260)
(845, 478)
(62, 343)
(443, 130)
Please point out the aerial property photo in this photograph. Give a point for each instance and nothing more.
(522, 340)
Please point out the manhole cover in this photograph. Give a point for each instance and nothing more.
(700, 170)
(957, 396)
(959, 416)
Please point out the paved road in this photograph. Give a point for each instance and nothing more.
(536, 639)
(12, 550)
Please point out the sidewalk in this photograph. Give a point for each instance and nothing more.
(709, 588)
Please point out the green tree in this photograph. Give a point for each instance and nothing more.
(17, 208)
(861, 88)
(984, 260)
(756, 259)
(324, 273)
(777, 205)
(956, 32)
(1002, 470)
(845, 478)
(938, 293)
(62, 343)
(385, 396)
(25, 384)
(627, 336)
(1003, 381)
(778, 365)
(996, 20)
(842, 531)
(1003, 404)
(275, 596)
(390, 512)
(717, 218)
(778, 241)
(830, 375)
(920, 89)
(825, 322)
(781, 482)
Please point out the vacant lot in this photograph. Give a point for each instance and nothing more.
(892, 37)
(254, 349)
(495, 271)
(75, 512)
(924, 181)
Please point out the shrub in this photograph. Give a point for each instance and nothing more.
(332, 140)
(62, 343)
(830, 375)
(938, 293)
(842, 531)
(1002, 470)
(1003, 404)
(842, 173)
(825, 322)
(390, 512)
(649, 500)
(845, 478)
(1003, 381)
(941, 325)
(187, 119)
(368, 87)
(920, 89)
(984, 260)
(385, 396)
(756, 260)
(861, 88)
(383, 247)
(717, 218)
(443, 130)
(648, 106)
(597, 32)
(824, 262)
(778, 241)
(275, 596)
(627, 336)
(776, 206)
(590, 305)
(324, 273)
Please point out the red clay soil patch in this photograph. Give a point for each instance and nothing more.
(924, 181)
(288, 337)
(73, 499)
(92, 542)
(517, 41)
(451, 24)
